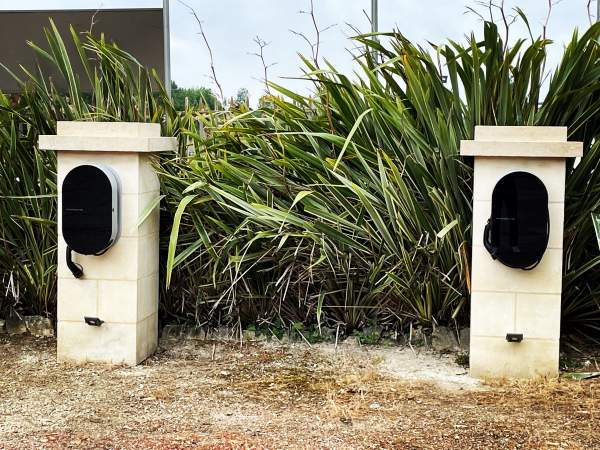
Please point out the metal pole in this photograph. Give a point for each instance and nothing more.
(375, 25)
(597, 10)
(167, 46)
(375, 16)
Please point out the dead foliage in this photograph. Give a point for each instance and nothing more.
(275, 397)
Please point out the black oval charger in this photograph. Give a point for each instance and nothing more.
(90, 212)
(517, 232)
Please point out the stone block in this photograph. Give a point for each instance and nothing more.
(538, 315)
(494, 357)
(39, 326)
(147, 337)
(114, 343)
(148, 248)
(108, 144)
(492, 313)
(520, 134)
(118, 300)
(120, 262)
(515, 149)
(148, 180)
(489, 170)
(103, 129)
(147, 300)
(491, 275)
(125, 165)
(133, 206)
(78, 299)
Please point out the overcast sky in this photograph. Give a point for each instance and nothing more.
(231, 26)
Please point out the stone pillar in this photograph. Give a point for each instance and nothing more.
(121, 286)
(507, 300)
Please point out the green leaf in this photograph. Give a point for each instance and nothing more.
(577, 376)
(175, 235)
(446, 229)
(149, 209)
(349, 137)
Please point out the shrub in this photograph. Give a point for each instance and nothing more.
(352, 205)
(343, 208)
(121, 90)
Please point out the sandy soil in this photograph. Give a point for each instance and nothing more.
(220, 396)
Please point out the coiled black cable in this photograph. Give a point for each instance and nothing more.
(75, 268)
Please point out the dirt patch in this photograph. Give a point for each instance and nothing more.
(205, 395)
(405, 364)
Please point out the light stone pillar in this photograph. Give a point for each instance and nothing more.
(121, 286)
(506, 300)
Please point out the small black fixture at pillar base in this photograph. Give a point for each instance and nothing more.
(93, 321)
(514, 337)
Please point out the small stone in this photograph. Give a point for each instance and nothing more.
(196, 333)
(219, 334)
(14, 325)
(249, 335)
(328, 334)
(171, 331)
(253, 336)
(374, 406)
(443, 339)
(39, 326)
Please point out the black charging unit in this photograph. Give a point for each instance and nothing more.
(517, 232)
(90, 212)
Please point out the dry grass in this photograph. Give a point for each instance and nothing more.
(276, 397)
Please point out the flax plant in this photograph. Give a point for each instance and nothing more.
(115, 87)
(345, 207)
(352, 205)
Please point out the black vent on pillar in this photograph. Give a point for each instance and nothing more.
(90, 222)
(517, 231)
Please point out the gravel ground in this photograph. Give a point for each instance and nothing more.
(205, 395)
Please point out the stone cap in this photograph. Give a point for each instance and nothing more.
(108, 137)
(523, 142)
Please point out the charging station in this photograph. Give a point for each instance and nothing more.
(107, 259)
(516, 265)
(517, 232)
(90, 212)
